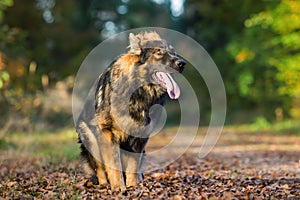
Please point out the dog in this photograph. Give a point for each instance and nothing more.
(120, 113)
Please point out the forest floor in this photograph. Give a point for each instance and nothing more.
(244, 164)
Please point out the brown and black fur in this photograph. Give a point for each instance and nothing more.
(117, 119)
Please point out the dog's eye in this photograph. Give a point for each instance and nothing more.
(160, 52)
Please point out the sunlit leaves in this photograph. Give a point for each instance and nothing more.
(290, 73)
(274, 35)
(244, 80)
(284, 18)
(289, 41)
(3, 5)
(262, 19)
(244, 55)
(4, 77)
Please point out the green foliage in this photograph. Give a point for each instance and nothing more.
(262, 125)
(272, 40)
(283, 21)
(4, 77)
(218, 27)
(6, 145)
(245, 79)
(3, 5)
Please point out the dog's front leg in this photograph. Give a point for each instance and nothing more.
(141, 167)
(131, 170)
(135, 161)
(112, 164)
(102, 179)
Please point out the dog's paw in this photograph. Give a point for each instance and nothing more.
(94, 180)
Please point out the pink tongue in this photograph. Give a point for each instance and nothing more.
(172, 87)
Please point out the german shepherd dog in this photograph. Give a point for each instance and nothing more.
(119, 114)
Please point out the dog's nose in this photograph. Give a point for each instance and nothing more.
(180, 65)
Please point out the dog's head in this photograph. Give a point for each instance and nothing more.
(161, 56)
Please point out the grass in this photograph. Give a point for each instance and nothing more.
(291, 127)
(52, 146)
(61, 145)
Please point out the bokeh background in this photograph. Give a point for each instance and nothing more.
(255, 44)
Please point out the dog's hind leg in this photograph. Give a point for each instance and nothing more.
(89, 171)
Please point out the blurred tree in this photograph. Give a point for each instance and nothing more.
(53, 40)
(270, 48)
(216, 24)
(254, 44)
(52, 26)
(50, 43)
(115, 16)
(4, 75)
(3, 5)
(42, 42)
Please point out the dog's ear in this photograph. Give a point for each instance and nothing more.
(134, 44)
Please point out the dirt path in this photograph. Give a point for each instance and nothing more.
(246, 166)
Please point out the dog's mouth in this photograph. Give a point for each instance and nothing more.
(167, 82)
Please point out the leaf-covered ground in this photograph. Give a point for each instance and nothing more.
(241, 166)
